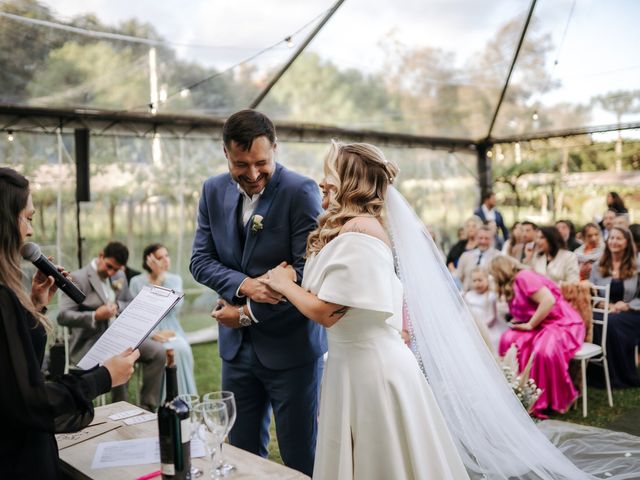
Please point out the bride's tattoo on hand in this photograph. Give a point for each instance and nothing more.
(339, 312)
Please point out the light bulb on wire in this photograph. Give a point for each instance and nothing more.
(289, 41)
(535, 116)
(10, 136)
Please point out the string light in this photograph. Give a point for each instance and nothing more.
(185, 92)
(153, 109)
(535, 115)
(10, 136)
(289, 41)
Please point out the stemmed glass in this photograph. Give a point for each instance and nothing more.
(213, 428)
(224, 468)
(194, 421)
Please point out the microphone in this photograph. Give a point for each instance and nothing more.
(31, 252)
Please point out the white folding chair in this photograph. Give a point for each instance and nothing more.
(594, 353)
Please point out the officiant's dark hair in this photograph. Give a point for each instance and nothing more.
(245, 126)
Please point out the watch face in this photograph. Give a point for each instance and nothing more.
(245, 321)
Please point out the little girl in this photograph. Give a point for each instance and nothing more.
(483, 304)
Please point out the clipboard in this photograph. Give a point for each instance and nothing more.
(133, 325)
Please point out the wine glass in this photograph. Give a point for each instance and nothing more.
(194, 421)
(224, 468)
(213, 428)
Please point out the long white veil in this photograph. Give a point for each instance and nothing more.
(495, 436)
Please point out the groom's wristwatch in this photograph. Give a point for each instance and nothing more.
(244, 320)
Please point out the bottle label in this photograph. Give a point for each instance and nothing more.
(185, 430)
(167, 469)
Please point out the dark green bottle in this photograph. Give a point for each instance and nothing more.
(174, 429)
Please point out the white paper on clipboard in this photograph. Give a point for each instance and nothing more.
(133, 325)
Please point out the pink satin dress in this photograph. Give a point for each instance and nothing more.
(554, 342)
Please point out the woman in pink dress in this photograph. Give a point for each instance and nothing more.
(545, 325)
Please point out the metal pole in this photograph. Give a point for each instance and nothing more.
(513, 64)
(293, 58)
(484, 168)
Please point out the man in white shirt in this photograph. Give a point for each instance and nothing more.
(107, 292)
(479, 256)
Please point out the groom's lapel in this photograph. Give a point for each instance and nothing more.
(231, 202)
(262, 209)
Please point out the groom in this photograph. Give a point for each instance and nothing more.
(249, 221)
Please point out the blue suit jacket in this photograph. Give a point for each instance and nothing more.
(290, 204)
(499, 221)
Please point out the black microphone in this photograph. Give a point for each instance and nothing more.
(31, 252)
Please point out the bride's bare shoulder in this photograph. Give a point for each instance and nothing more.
(368, 226)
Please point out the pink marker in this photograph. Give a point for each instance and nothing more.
(157, 473)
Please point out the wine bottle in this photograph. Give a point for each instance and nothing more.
(174, 429)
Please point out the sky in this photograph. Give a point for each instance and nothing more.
(596, 41)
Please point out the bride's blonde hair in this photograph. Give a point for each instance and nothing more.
(360, 174)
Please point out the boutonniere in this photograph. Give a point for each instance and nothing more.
(117, 284)
(256, 223)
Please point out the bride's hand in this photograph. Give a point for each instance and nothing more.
(277, 278)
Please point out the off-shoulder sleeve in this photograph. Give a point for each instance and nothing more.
(356, 271)
(26, 399)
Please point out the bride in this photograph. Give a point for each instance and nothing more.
(378, 416)
(378, 419)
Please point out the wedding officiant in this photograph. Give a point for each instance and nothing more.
(33, 408)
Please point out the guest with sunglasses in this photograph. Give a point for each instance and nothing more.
(105, 284)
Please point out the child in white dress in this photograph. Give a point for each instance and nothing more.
(483, 304)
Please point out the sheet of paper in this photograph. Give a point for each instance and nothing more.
(126, 414)
(141, 451)
(147, 417)
(68, 439)
(132, 325)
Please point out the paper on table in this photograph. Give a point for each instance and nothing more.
(141, 451)
(147, 417)
(126, 414)
(133, 325)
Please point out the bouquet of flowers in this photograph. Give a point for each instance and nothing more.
(524, 387)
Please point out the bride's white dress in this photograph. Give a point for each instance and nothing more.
(378, 416)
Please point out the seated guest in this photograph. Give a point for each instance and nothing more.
(104, 283)
(478, 257)
(568, 233)
(168, 332)
(483, 304)
(514, 246)
(529, 236)
(544, 325)
(33, 408)
(634, 228)
(552, 259)
(607, 222)
(621, 220)
(590, 251)
(618, 267)
(467, 243)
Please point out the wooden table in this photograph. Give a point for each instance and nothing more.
(76, 459)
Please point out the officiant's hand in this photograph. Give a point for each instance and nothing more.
(226, 314)
(257, 291)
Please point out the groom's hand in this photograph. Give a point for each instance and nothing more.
(226, 314)
(259, 292)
